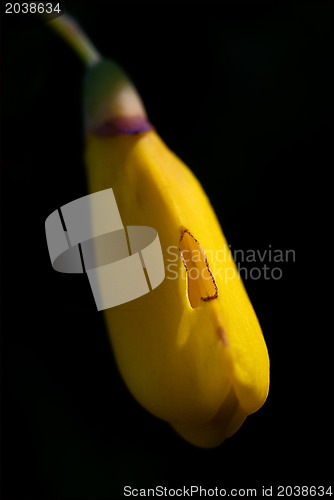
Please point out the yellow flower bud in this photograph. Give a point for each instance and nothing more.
(191, 351)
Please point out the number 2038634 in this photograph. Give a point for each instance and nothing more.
(304, 491)
(32, 8)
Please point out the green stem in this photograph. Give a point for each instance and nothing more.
(70, 31)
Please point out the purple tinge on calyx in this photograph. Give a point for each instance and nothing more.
(123, 125)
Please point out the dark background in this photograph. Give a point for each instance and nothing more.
(243, 93)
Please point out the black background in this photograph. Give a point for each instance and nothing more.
(242, 92)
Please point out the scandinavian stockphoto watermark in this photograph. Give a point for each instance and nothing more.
(262, 491)
(229, 263)
(123, 263)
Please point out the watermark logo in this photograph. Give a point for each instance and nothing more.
(87, 236)
(123, 263)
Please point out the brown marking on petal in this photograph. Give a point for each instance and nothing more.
(126, 125)
(222, 336)
(201, 283)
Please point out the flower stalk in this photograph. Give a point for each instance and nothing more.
(71, 32)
